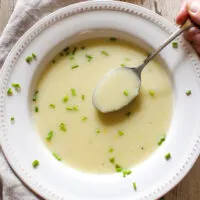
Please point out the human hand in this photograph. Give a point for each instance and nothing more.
(191, 8)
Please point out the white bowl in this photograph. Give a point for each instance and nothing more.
(21, 143)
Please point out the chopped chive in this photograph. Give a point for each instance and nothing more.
(113, 39)
(104, 53)
(36, 109)
(123, 65)
(35, 163)
(71, 57)
(74, 51)
(152, 93)
(162, 139)
(12, 119)
(127, 59)
(83, 97)
(75, 66)
(120, 133)
(62, 127)
(34, 56)
(89, 57)
(128, 114)
(73, 91)
(57, 156)
(112, 160)
(65, 99)
(188, 92)
(118, 168)
(84, 118)
(53, 106)
(16, 86)
(35, 95)
(69, 108)
(126, 172)
(110, 150)
(175, 44)
(125, 92)
(134, 186)
(49, 135)
(29, 59)
(168, 156)
(75, 108)
(9, 92)
(98, 131)
(72, 108)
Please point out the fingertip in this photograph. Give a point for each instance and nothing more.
(194, 10)
(182, 15)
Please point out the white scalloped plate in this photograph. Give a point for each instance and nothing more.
(21, 143)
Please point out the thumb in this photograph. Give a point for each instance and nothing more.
(194, 11)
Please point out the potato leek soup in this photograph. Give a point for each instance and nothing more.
(76, 133)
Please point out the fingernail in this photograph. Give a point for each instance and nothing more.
(194, 7)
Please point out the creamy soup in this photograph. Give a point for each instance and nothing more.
(86, 139)
(116, 89)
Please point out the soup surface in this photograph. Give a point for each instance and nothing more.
(82, 137)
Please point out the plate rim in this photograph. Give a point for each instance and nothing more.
(55, 17)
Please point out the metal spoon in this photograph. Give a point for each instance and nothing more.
(136, 72)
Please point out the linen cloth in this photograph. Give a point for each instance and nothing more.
(25, 14)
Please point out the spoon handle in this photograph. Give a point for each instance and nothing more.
(186, 25)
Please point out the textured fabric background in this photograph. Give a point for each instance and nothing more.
(25, 14)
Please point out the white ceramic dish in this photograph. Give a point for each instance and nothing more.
(21, 143)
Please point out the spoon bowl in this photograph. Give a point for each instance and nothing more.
(120, 86)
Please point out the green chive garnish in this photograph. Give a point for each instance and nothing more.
(168, 156)
(89, 57)
(126, 172)
(175, 44)
(53, 106)
(36, 109)
(57, 156)
(49, 135)
(188, 92)
(134, 186)
(83, 97)
(35, 95)
(110, 150)
(62, 127)
(9, 92)
(127, 59)
(125, 92)
(75, 66)
(113, 39)
(118, 168)
(65, 99)
(162, 139)
(74, 51)
(120, 133)
(152, 93)
(35, 163)
(12, 119)
(29, 59)
(123, 65)
(72, 108)
(34, 56)
(84, 118)
(98, 131)
(104, 53)
(16, 86)
(73, 91)
(112, 160)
